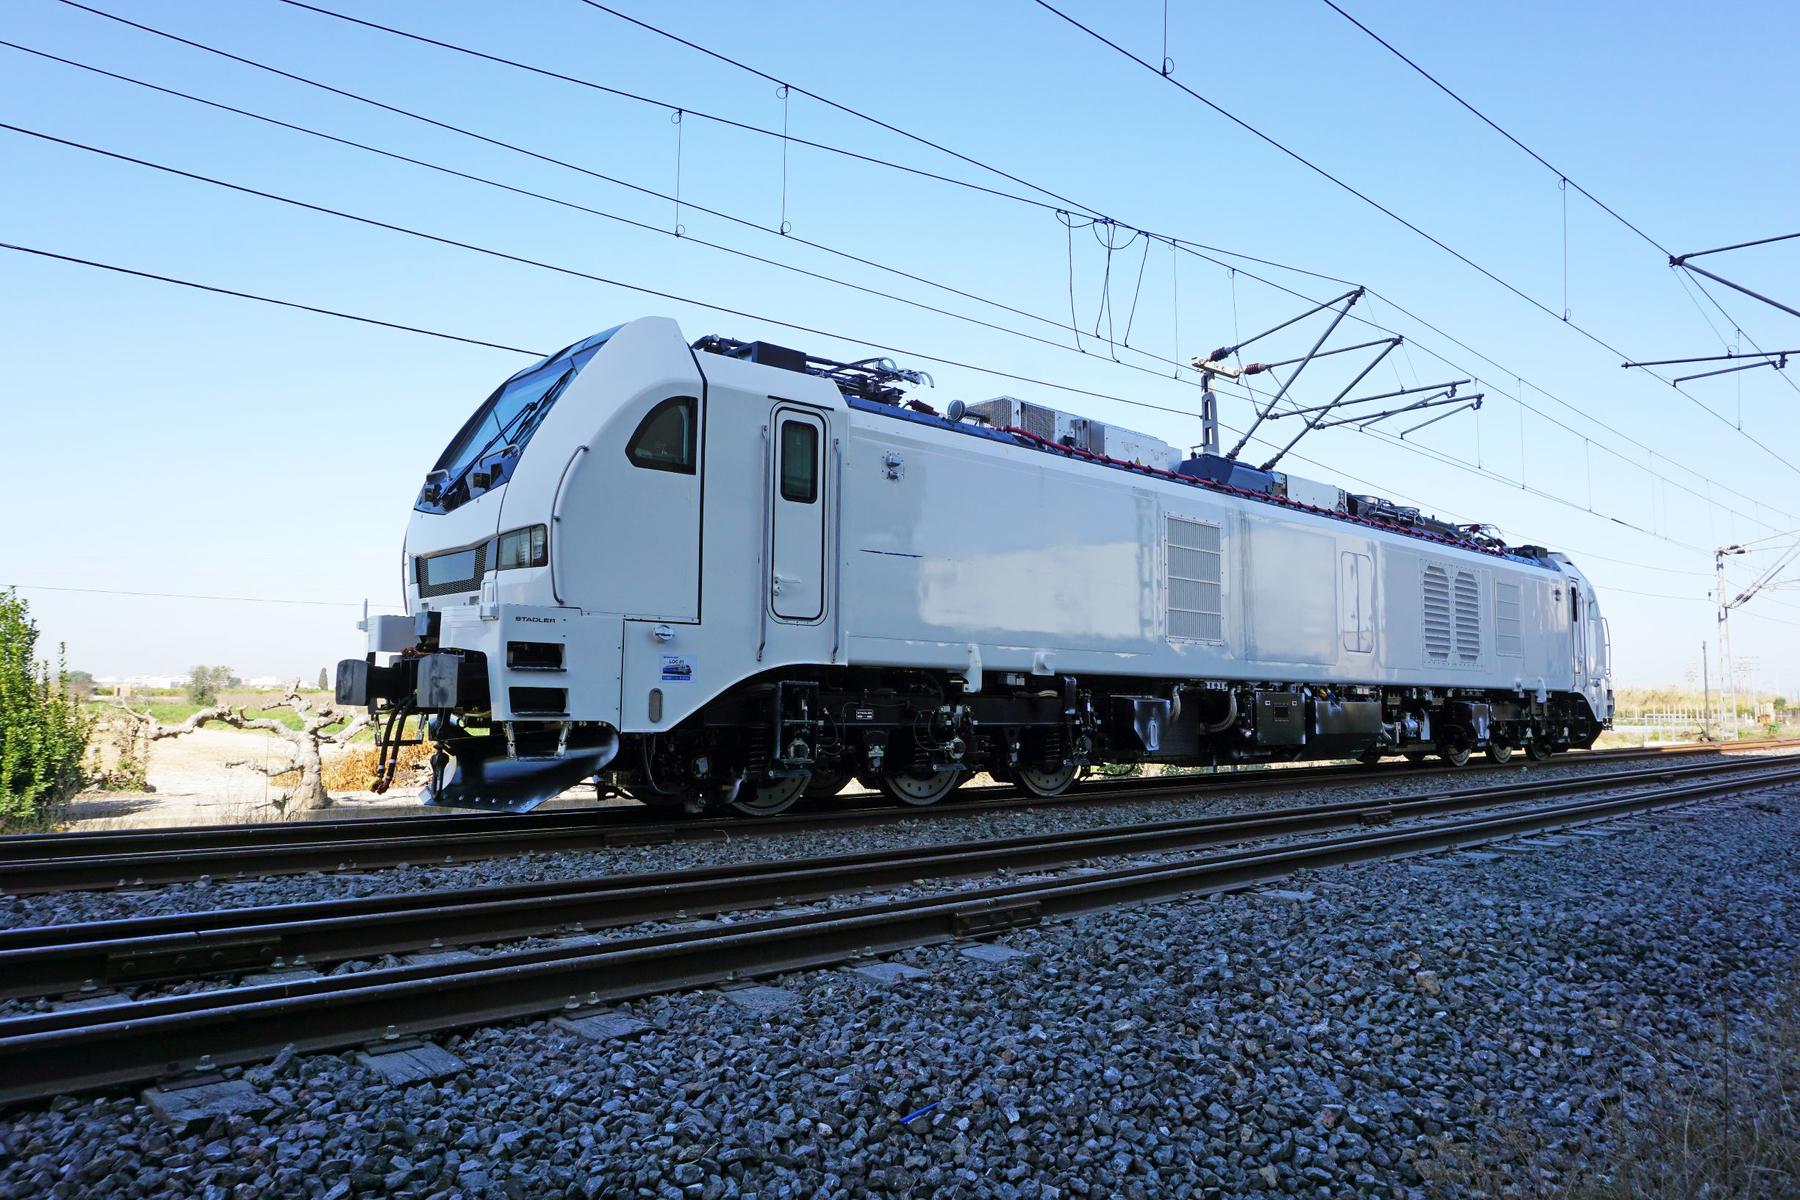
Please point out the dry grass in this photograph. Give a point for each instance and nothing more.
(1721, 1122)
(353, 768)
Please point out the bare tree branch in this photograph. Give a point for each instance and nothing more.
(357, 724)
(156, 729)
(304, 741)
(286, 768)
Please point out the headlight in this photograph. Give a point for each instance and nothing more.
(528, 547)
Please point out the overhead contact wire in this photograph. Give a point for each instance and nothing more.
(719, 308)
(1386, 211)
(1185, 245)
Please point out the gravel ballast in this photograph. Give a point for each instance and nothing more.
(1325, 1040)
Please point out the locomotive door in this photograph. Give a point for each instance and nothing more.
(797, 505)
(1577, 636)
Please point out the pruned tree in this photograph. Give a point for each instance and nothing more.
(204, 683)
(304, 743)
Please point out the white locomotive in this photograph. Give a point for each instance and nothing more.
(730, 574)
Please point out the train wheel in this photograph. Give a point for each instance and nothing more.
(1499, 753)
(767, 799)
(1539, 751)
(1455, 756)
(1369, 758)
(1045, 784)
(913, 790)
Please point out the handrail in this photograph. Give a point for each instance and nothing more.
(555, 516)
(765, 564)
(837, 546)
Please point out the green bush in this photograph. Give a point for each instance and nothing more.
(43, 732)
(205, 683)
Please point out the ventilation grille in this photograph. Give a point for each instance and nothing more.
(1437, 613)
(1508, 638)
(1194, 608)
(1468, 618)
(1034, 418)
(432, 581)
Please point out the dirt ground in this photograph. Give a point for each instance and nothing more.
(194, 786)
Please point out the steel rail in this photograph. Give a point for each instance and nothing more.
(47, 959)
(20, 847)
(40, 863)
(46, 1054)
(26, 846)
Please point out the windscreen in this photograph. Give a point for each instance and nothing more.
(482, 454)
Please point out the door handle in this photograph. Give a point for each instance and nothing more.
(490, 599)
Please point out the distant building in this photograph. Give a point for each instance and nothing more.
(140, 682)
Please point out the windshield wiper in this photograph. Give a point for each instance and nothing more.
(542, 402)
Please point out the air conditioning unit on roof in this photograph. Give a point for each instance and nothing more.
(1082, 433)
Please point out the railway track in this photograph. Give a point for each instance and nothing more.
(44, 1054)
(46, 959)
(43, 863)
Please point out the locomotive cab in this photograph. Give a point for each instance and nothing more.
(569, 499)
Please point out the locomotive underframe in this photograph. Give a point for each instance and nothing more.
(917, 735)
(832, 725)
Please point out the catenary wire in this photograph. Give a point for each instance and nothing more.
(583, 208)
(1518, 399)
(1562, 175)
(657, 229)
(577, 273)
(550, 199)
(408, 328)
(44, 587)
(225, 291)
(1547, 164)
(1495, 126)
(846, 109)
(1194, 248)
(621, 93)
(1191, 248)
(572, 166)
(1385, 210)
(1312, 166)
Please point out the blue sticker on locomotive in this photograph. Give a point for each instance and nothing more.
(676, 669)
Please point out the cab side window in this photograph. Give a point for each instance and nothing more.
(664, 439)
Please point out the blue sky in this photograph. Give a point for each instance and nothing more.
(168, 441)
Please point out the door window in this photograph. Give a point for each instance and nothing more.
(799, 462)
(797, 524)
